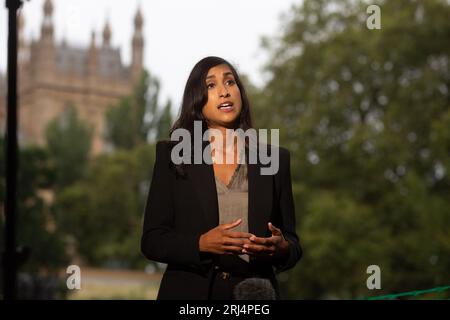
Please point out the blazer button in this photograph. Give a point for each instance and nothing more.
(216, 267)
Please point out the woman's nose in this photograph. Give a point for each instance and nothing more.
(223, 92)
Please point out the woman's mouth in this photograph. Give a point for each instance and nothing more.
(226, 106)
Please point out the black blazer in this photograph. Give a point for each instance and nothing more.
(179, 210)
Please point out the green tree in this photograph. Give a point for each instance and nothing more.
(102, 212)
(164, 122)
(36, 232)
(138, 118)
(365, 114)
(69, 142)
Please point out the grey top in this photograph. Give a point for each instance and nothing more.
(233, 200)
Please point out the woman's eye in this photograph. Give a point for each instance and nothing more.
(230, 82)
(210, 85)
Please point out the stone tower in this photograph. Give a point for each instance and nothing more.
(54, 76)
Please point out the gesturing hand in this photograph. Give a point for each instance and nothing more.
(276, 245)
(221, 240)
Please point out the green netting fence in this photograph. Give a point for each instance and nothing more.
(414, 294)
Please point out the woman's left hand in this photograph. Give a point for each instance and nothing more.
(276, 245)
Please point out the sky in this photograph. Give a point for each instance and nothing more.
(177, 33)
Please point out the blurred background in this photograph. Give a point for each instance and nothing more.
(365, 113)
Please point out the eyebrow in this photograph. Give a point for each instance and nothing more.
(225, 74)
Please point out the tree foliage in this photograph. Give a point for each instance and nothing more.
(69, 143)
(102, 212)
(41, 246)
(366, 116)
(138, 117)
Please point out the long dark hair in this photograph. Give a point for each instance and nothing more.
(196, 96)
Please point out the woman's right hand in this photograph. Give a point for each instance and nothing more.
(221, 240)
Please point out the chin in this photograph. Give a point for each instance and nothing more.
(228, 122)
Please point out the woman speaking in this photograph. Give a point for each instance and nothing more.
(217, 222)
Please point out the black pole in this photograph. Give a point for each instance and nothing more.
(10, 257)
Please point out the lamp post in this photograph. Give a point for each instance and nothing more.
(10, 255)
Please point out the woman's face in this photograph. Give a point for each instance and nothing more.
(224, 97)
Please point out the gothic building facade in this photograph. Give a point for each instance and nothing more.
(55, 76)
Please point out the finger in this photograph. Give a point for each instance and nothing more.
(233, 242)
(232, 249)
(231, 225)
(238, 234)
(267, 252)
(264, 241)
(243, 241)
(260, 249)
(275, 231)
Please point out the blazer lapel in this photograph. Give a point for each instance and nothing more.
(202, 177)
(260, 192)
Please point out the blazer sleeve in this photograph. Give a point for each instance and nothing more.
(160, 242)
(287, 215)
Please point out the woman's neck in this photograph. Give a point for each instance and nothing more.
(226, 145)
